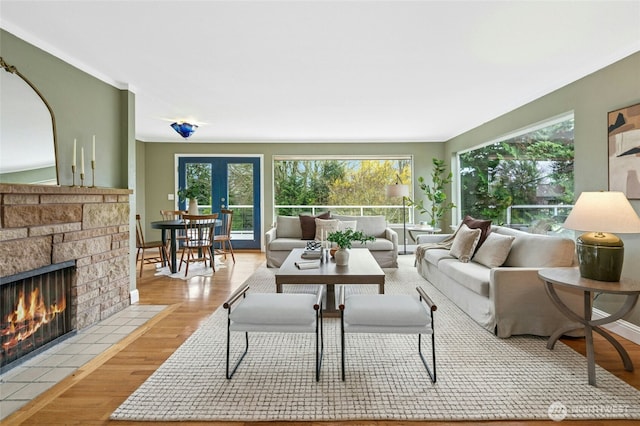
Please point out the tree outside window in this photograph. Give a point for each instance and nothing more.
(340, 185)
(534, 168)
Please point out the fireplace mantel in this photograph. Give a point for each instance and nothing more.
(43, 225)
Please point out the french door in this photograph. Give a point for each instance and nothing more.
(227, 183)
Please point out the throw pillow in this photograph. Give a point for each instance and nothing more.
(324, 227)
(464, 243)
(343, 225)
(483, 225)
(308, 224)
(494, 251)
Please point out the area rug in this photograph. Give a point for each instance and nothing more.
(480, 377)
(195, 269)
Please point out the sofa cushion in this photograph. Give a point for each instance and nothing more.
(374, 226)
(324, 227)
(538, 251)
(288, 244)
(308, 224)
(343, 225)
(464, 243)
(483, 225)
(433, 256)
(288, 227)
(471, 275)
(379, 244)
(494, 251)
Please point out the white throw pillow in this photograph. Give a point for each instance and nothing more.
(464, 243)
(494, 251)
(324, 227)
(343, 225)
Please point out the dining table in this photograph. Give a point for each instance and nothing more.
(172, 226)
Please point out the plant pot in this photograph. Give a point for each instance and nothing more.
(193, 206)
(342, 257)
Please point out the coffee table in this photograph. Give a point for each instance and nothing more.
(362, 269)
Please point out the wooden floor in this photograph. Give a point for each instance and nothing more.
(97, 389)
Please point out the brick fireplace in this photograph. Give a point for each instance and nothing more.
(88, 228)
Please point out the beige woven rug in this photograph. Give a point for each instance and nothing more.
(480, 377)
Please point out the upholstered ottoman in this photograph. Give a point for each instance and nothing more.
(274, 312)
(389, 313)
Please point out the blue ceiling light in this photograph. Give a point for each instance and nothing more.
(185, 129)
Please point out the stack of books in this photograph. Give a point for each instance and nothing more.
(312, 254)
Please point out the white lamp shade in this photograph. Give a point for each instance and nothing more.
(603, 212)
(397, 190)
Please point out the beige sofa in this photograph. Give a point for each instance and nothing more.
(287, 235)
(508, 299)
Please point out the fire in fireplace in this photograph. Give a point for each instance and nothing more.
(33, 310)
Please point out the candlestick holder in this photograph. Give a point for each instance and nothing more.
(81, 180)
(73, 173)
(93, 174)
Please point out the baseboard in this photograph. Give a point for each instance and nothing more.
(134, 296)
(621, 327)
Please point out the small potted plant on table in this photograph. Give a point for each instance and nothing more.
(191, 193)
(344, 240)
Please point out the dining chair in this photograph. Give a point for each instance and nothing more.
(198, 244)
(142, 246)
(174, 215)
(224, 238)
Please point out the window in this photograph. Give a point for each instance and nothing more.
(522, 179)
(343, 185)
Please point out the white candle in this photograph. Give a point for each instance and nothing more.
(73, 163)
(93, 155)
(82, 160)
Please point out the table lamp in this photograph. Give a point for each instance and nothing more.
(600, 252)
(400, 190)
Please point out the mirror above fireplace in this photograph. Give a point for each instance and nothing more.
(27, 132)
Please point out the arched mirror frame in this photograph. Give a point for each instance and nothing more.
(13, 70)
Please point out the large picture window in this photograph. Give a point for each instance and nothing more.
(523, 180)
(343, 185)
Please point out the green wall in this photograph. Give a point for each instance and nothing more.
(591, 98)
(83, 106)
(158, 162)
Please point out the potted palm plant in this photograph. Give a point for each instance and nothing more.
(344, 240)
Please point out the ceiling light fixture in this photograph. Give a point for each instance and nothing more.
(184, 129)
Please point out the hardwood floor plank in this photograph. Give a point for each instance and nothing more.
(97, 389)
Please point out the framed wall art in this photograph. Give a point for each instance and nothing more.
(624, 151)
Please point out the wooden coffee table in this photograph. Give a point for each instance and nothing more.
(362, 269)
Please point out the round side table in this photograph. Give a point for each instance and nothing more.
(570, 277)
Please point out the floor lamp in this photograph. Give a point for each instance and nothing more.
(400, 190)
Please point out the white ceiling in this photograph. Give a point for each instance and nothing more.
(352, 71)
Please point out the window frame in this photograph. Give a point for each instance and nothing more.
(456, 162)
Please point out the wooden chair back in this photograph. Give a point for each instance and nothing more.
(200, 232)
(224, 238)
(172, 214)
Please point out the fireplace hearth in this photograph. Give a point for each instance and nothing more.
(35, 310)
(47, 226)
